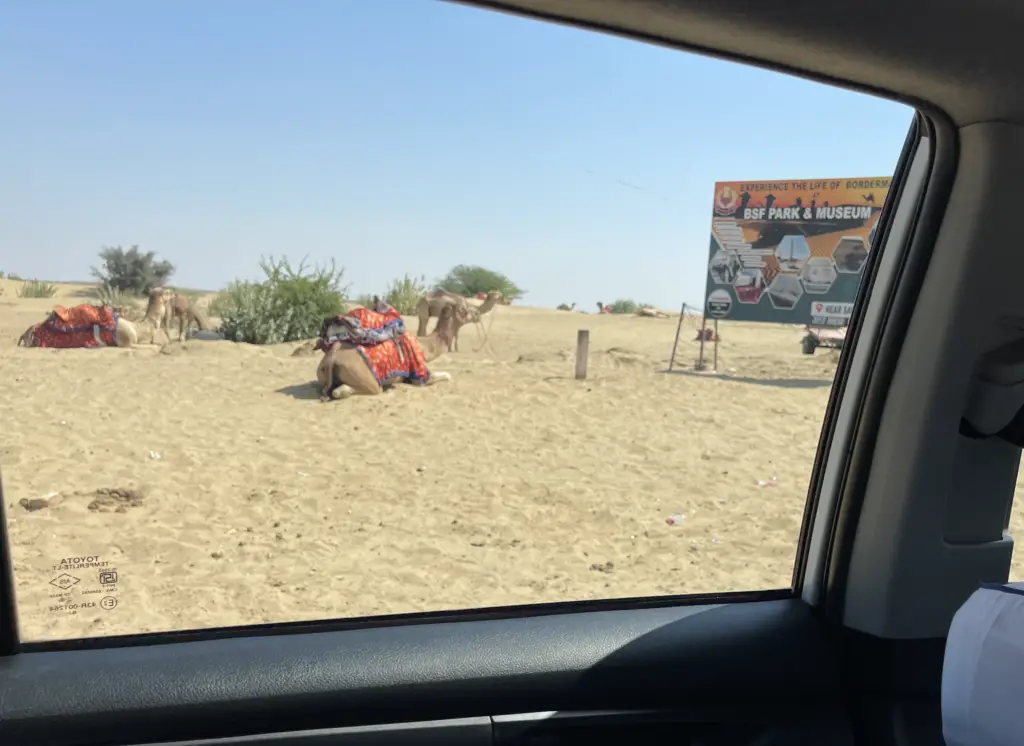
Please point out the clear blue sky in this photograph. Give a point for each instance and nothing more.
(394, 136)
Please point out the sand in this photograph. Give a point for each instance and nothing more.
(221, 491)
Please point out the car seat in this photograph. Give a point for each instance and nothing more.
(983, 669)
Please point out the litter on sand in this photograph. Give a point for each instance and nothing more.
(770, 483)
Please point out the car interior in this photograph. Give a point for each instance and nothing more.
(906, 516)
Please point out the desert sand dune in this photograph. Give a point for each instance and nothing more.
(223, 492)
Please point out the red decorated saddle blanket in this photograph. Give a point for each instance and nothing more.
(391, 352)
(78, 326)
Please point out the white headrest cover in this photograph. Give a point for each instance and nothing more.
(983, 670)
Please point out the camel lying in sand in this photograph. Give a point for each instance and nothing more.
(651, 313)
(431, 304)
(344, 370)
(166, 304)
(81, 326)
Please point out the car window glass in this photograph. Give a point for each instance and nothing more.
(215, 216)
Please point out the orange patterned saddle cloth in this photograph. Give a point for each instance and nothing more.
(392, 353)
(78, 326)
(397, 360)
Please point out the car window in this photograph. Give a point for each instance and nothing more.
(574, 304)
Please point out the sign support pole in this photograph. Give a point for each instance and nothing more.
(675, 345)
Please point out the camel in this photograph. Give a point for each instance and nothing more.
(602, 308)
(651, 313)
(564, 307)
(166, 304)
(432, 303)
(343, 371)
(125, 335)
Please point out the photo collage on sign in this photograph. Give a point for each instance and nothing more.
(790, 251)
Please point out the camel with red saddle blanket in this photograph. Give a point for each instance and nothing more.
(367, 351)
(81, 326)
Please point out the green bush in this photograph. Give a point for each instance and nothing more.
(232, 297)
(405, 293)
(37, 289)
(131, 270)
(288, 306)
(222, 302)
(467, 280)
(623, 305)
(112, 296)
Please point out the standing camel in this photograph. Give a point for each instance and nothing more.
(345, 369)
(432, 303)
(166, 305)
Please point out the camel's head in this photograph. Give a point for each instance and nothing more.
(28, 338)
(159, 299)
(490, 301)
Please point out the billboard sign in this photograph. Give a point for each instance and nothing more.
(791, 252)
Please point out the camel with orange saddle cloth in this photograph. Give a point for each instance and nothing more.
(367, 351)
(83, 326)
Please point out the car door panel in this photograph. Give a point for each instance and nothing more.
(767, 660)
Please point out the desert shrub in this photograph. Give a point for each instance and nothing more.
(132, 270)
(37, 289)
(222, 301)
(3, 275)
(108, 295)
(405, 293)
(289, 305)
(623, 305)
(232, 297)
(469, 280)
(16, 277)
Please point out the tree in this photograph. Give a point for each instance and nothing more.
(131, 270)
(468, 280)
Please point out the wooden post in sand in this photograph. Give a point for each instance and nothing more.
(582, 351)
(703, 334)
(716, 345)
(675, 345)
